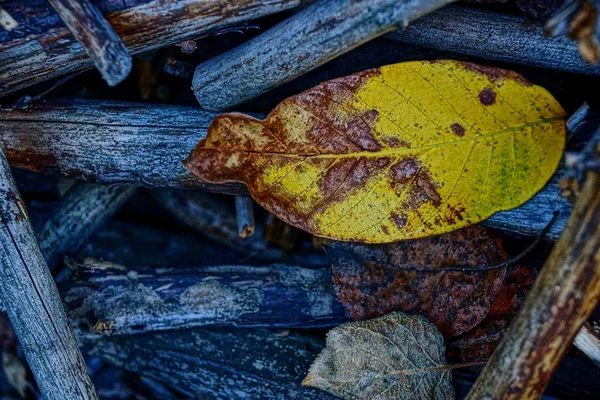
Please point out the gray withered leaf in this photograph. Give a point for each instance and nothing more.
(397, 356)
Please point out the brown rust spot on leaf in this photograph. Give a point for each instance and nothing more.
(404, 171)
(487, 97)
(495, 74)
(458, 129)
(400, 221)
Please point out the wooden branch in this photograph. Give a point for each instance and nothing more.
(244, 212)
(220, 364)
(494, 36)
(33, 304)
(97, 37)
(313, 36)
(83, 209)
(266, 364)
(110, 143)
(127, 243)
(588, 342)
(43, 49)
(140, 144)
(562, 298)
(134, 300)
(213, 219)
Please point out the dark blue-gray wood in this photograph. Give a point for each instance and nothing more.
(494, 36)
(97, 37)
(140, 299)
(220, 364)
(41, 48)
(313, 36)
(33, 304)
(82, 210)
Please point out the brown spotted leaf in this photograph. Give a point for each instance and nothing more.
(413, 277)
(396, 356)
(403, 151)
(479, 343)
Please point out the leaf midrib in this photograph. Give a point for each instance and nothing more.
(397, 151)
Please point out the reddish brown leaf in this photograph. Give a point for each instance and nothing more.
(479, 343)
(412, 276)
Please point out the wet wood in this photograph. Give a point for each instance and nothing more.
(69, 138)
(42, 48)
(494, 36)
(132, 300)
(97, 37)
(562, 298)
(33, 304)
(313, 36)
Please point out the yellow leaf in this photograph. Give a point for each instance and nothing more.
(399, 152)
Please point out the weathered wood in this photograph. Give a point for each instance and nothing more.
(135, 300)
(244, 213)
(562, 298)
(118, 143)
(494, 36)
(42, 48)
(313, 36)
(111, 143)
(83, 209)
(33, 304)
(129, 244)
(220, 364)
(588, 342)
(259, 364)
(98, 38)
(214, 219)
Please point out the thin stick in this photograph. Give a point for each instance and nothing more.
(97, 37)
(142, 25)
(588, 342)
(33, 304)
(494, 36)
(83, 209)
(313, 36)
(244, 213)
(562, 298)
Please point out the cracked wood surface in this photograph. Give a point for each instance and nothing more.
(311, 37)
(137, 300)
(41, 48)
(494, 36)
(98, 38)
(33, 304)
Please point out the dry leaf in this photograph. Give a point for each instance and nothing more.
(392, 357)
(403, 151)
(479, 343)
(412, 277)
